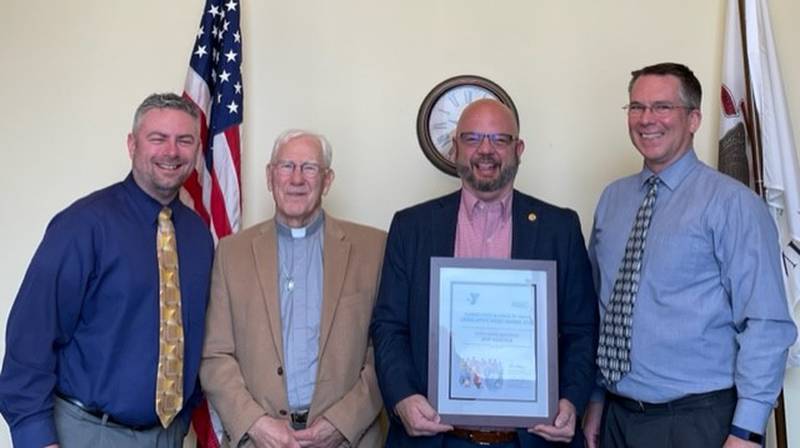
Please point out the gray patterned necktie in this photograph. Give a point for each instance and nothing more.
(613, 352)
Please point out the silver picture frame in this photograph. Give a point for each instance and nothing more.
(493, 351)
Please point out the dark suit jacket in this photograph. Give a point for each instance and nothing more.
(399, 326)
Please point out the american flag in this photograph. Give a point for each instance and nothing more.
(214, 84)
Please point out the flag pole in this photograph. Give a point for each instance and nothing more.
(751, 119)
(753, 125)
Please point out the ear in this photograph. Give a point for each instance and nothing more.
(695, 117)
(131, 145)
(520, 147)
(453, 152)
(326, 183)
(269, 177)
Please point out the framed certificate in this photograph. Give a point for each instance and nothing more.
(493, 354)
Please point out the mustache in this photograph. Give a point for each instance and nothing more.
(484, 158)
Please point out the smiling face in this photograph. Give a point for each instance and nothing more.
(163, 150)
(298, 193)
(661, 139)
(488, 169)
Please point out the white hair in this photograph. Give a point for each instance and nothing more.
(291, 134)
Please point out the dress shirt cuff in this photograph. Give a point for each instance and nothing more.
(751, 415)
(35, 433)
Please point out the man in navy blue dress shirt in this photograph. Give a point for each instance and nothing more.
(82, 343)
(709, 326)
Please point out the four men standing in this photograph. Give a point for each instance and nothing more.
(694, 326)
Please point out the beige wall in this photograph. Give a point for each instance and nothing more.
(357, 71)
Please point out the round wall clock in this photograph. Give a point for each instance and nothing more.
(441, 108)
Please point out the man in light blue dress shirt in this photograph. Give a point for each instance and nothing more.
(710, 324)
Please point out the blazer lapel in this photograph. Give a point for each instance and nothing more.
(443, 225)
(335, 258)
(524, 227)
(265, 254)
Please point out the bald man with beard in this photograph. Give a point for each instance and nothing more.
(486, 218)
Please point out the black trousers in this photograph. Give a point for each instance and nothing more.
(695, 421)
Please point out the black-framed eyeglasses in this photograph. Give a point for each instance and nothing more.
(309, 170)
(659, 109)
(497, 140)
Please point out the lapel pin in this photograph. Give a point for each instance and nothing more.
(531, 217)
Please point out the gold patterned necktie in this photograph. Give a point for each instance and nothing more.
(169, 385)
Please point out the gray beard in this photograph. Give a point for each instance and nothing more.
(507, 175)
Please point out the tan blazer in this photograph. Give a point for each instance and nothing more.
(242, 369)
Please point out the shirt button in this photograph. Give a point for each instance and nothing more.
(280, 370)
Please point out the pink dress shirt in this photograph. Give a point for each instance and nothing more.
(484, 228)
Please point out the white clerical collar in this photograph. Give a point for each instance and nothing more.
(301, 232)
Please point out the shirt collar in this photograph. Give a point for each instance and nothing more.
(470, 202)
(302, 232)
(148, 207)
(675, 173)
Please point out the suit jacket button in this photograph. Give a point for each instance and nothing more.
(282, 412)
(280, 370)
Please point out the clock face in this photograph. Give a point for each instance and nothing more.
(440, 110)
(446, 111)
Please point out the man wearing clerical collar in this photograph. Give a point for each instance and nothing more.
(287, 360)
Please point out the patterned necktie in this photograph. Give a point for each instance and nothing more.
(613, 352)
(169, 385)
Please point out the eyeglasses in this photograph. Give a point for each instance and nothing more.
(657, 109)
(309, 170)
(497, 140)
